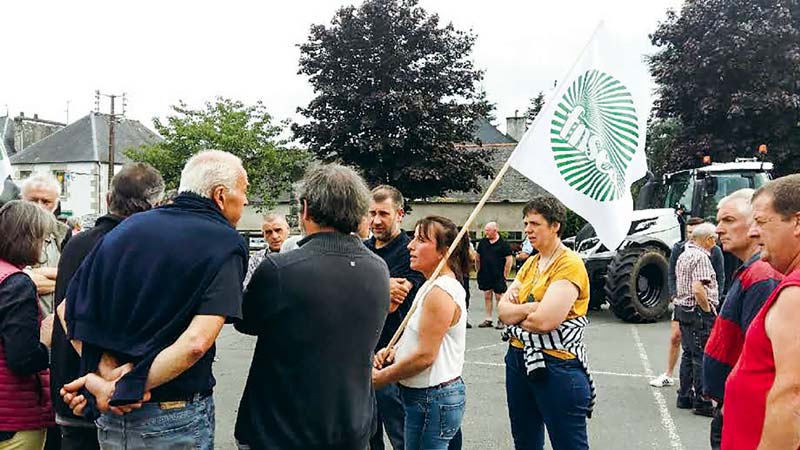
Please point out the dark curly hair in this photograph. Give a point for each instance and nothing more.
(548, 207)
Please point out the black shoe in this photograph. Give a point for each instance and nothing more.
(685, 403)
(469, 325)
(707, 411)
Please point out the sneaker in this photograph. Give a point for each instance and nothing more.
(485, 324)
(500, 326)
(662, 381)
(685, 403)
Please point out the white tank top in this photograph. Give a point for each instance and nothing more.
(450, 360)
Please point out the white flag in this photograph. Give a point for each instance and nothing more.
(586, 146)
(5, 165)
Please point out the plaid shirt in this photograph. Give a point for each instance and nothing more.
(694, 264)
(252, 265)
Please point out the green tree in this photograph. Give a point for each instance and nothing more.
(533, 110)
(247, 131)
(728, 71)
(662, 139)
(397, 96)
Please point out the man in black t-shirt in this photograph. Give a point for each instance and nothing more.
(494, 262)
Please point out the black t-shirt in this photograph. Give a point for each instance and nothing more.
(492, 259)
(222, 298)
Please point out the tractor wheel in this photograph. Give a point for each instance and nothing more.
(636, 284)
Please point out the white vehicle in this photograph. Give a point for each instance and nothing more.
(633, 277)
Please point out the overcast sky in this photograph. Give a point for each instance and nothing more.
(159, 52)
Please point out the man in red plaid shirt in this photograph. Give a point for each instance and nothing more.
(696, 305)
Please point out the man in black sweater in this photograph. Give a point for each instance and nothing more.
(318, 312)
(390, 243)
(136, 188)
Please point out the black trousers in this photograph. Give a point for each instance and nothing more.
(695, 327)
(79, 438)
(716, 428)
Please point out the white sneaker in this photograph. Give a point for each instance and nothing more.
(662, 381)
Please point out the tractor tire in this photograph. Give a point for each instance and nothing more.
(636, 284)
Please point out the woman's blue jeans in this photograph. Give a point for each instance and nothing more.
(558, 399)
(433, 415)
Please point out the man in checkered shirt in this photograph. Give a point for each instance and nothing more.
(696, 302)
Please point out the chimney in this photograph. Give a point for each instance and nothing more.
(35, 116)
(516, 126)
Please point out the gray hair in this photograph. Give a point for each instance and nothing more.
(136, 188)
(208, 170)
(704, 230)
(24, 227)
(274, 217)
(41, 179)
(742, 200)
(336, 196)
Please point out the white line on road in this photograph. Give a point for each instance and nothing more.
(484, 347)
(661, 403)
(594, 372)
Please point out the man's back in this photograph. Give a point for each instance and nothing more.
(318, 312)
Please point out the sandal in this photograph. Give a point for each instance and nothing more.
(485, 324)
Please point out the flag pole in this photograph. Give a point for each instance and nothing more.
(450, 250)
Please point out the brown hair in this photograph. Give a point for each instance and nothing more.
(785, 193)
(548, 207)
(384, 191)
(694, 221)
(444, 231)
(24, 227)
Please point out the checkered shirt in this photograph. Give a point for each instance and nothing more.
(694, 264)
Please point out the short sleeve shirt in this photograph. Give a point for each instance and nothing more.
(694, 264)
(222, 298)
(492, 259)
(533, 285)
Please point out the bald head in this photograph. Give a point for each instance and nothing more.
(490, 231)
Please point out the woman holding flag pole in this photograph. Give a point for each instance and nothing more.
(429, 358)
(547, 381)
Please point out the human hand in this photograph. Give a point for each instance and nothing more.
(383, 358)
(46, 331)
(378, 380)
(398, 291)
(102, 389)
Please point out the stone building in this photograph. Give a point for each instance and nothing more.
(77, 156)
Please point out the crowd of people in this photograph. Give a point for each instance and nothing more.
(107, 337)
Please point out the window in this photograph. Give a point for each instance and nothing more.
(62, 177)
(24, 174)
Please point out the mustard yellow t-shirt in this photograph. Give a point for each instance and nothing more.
(569, 266)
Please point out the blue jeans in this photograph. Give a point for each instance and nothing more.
(391, 417)
(558, 399)
(160, 426)
(433, 415)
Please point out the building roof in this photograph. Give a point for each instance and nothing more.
(488, 134)
(7, 135)
(86, 140)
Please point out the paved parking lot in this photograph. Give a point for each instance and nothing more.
(629, 413)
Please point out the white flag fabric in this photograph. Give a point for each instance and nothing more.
(5, 165)
(586, 146)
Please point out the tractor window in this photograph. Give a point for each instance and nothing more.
(680, 190)
(728, 183)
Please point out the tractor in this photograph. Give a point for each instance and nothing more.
(633, 277)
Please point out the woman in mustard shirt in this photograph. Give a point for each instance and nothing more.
(549, 295)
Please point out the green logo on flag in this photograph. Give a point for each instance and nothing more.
(594, 134)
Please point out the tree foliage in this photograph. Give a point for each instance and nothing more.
(247, 131)
(396, 95)
(533, 109)
(663, 137)
(728, 70)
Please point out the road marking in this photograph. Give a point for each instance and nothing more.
(661, 403)
(484, 347)
(594, 372)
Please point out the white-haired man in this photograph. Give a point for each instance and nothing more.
(696, 301)
(752, 283)
(45, 191)
(153, 296)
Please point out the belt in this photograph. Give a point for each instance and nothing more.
(440, 385)
(170, 402)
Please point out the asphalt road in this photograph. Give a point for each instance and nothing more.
(629, 413)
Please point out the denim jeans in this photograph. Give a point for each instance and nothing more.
(558, 399)
(170, 425)
(433, 415)
(695, 327)
(391, 417)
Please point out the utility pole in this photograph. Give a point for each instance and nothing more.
(112, 120)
